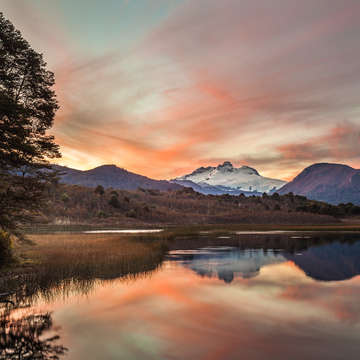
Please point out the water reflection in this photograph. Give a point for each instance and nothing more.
(332, 262)
(28, 336)
(212, 298)
(226, 263)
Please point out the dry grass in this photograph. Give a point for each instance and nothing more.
(62, 261)
(93, 250)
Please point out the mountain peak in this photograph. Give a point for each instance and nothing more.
(107, 166)
(231, 179)
(328, 166)
(225, 165)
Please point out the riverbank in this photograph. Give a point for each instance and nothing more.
(57, 254)
(47, 260)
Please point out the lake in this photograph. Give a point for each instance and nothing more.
(235, 296)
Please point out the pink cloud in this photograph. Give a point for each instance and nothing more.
(232, 76)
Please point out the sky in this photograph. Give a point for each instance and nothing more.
(161, 87)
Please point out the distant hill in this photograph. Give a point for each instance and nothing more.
(227, 179)
(112, 176)
(332, 183)
(325, 264)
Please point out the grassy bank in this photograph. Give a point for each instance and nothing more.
(51, 261)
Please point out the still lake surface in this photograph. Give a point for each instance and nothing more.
(287, 296)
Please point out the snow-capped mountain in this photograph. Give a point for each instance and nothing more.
(227, 179)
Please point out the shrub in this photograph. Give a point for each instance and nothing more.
(114, 193)
(65, 198)
(114, 202)
(99, 190)
(101, 214)
(131, 213)
(5, 248)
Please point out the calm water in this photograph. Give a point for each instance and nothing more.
(231, 301)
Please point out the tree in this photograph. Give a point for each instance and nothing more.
(114, 193)
(27, 110)
(99, 190)
(65, 198)
(114, 202)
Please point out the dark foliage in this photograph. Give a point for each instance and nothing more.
(5, 248)
(114, 202)
(23, 338)
(27, 109)
(99, 190)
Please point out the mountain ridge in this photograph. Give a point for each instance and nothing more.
(329, 182)
(112, 176)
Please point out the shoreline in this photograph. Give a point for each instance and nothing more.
(29, 257)
(82, 228)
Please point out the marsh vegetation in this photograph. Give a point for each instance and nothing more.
(66, 261)
(58, 265)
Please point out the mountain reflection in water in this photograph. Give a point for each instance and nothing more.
(226, 263)
(331, 262)
(270, 298)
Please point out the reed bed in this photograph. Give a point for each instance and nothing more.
(60, 263)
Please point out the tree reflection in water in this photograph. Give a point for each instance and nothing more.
(25, 337)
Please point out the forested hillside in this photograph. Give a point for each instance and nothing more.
(73, 204)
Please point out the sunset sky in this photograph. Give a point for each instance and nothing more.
(161, 87)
